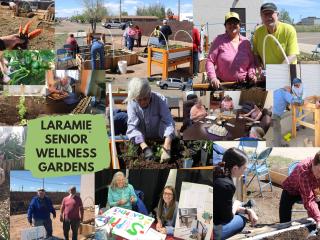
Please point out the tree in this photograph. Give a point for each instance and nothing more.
(124, 13)
(94, 12)
(285, 17)
(156, 9)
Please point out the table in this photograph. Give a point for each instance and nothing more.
(198, 130)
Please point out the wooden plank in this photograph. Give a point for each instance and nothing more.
(317, 127)
(294, 120)
(276, 177)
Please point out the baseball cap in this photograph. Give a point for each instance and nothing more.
(296, 81)
(268, 7)
(41, 190)
(230, 15)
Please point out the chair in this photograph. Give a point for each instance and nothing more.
(69, 49)
(260, 168)
(218, 152)
(316, 50)
(187, 105)
(62, 52)
(249, 146)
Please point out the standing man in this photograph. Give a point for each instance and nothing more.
(283, 32)
(166, 32)
(71, 214)
(97, 48)
(302, 184)
(281, 98)
(39, 210)
(196, 50)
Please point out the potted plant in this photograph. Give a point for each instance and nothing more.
(187, 160)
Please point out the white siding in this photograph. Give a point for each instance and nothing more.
(213, 12)
(310, 76)
(278, 75)
(87, 189)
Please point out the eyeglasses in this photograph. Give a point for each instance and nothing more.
(167, 194)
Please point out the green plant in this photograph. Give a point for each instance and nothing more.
(186, 153)
(28, 67)
(22, 110)
(4, 230)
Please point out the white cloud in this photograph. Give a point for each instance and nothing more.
(296, 3)
(64, 12)
(131, 2)
(186, 7)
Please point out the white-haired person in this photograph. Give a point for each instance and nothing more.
(121, 193)
(256, 132)
(166, 32)
(149, 117)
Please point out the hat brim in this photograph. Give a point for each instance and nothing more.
(231, 19)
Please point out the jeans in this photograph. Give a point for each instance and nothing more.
(276, 126)
(195, 63)
(97, 49)
(130, 43)
(47, 223)
(230, 229)
(74, 224)
(125, 41)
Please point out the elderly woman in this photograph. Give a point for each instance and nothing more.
(121, 193)
(254, 115)
(149, 117)
(230, 58)
(167, 211)
(198, 111)
(227, 104)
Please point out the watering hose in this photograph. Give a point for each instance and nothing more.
(279, 45)
(111, 41)
(163, 38)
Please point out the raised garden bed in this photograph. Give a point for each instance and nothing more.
(111, 59)
(170, 58)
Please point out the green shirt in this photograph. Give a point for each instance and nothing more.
(116, 194)
(286, 35)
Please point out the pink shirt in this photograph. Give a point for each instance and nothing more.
(227, 63)
(227, 105)
(72, 208)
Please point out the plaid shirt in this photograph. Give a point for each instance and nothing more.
(302, 182)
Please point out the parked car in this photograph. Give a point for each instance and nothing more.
(171, 83)
(113, 24)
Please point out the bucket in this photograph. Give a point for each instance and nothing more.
(122, 67)
(187, 163)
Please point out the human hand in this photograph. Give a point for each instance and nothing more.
(121, 202)
(215, 83)
(158, 226)
(132, 199)
(252, 217)
(11, 41)
(163, 230)
(165, 155)
(253, 78)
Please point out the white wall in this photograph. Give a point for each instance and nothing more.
(213, 12)
(87, 189)
(236, 97)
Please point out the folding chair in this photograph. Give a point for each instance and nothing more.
(62, 52)
(260, 168)
(249, 146)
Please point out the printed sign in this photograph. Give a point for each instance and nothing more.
(127, 223)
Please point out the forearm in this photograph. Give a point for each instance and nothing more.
(291, 59)
(167, 143)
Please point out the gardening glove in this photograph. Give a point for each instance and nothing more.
(148, 154)
(165, 155)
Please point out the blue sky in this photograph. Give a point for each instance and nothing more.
(297, 8)
(19, 179)
(69, 7)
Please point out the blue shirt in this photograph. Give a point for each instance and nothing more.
(116, 194)
(281, 98)
(169, 224)
(155, 121)
(40, 209)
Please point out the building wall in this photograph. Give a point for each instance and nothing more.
(213, 12)
(87, 190)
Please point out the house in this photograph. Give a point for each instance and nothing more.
(309, 21)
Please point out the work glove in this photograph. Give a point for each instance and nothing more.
(165, 155)
(148, 154)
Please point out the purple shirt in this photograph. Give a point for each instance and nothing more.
(227, 63)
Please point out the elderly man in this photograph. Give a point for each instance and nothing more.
(61, 86)
(39, 210)
(149, 117)
(281, 98)
(166, 32)
(283, 32)
(71, 213)
(302, 184)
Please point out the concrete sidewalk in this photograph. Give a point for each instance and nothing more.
(307, 48)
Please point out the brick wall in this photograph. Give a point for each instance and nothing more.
(148, 27)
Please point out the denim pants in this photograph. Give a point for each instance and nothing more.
(47, 223)
(97, 50)
(276, 126)
(236, 225)
(74, 224)
(195, 59)
(130, 43)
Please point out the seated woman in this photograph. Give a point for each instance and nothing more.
(227, 104)
(254, 115)
(167, 211)
(121, 193)
(198, 111)
(229, 217)
(230, 58)
(149, 117)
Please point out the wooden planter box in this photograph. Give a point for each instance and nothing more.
(169, 59)
(309, 106)
(84, 60)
